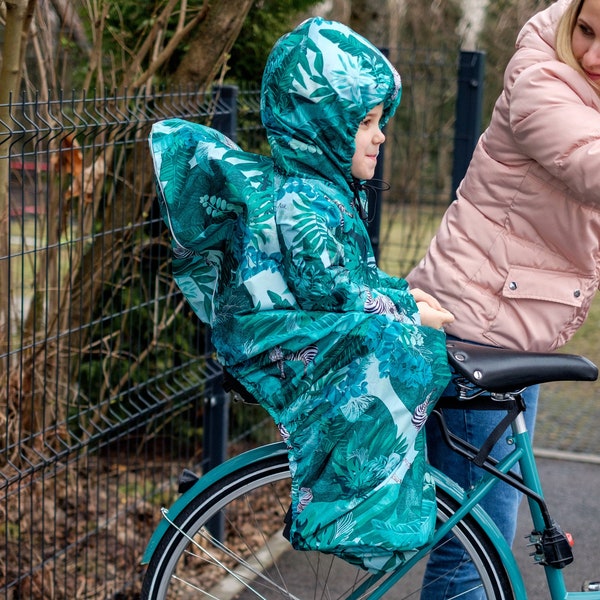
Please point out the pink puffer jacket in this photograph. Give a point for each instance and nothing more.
(517, 255)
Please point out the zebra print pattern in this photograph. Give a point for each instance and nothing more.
(305, 355)
(343, 211)
(306, 496)
(181, 252)
(420, 415)
(382, 305)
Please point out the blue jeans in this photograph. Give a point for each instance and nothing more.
(441, 580)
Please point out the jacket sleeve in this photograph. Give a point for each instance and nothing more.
(333, 270)
(555, 119)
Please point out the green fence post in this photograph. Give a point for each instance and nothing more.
(216, 400)
(469, 102)
(225, 116)
(216, 406)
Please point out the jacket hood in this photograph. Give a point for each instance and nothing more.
(320, 81)
(540, 30)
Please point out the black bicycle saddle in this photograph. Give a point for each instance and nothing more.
(501, 370)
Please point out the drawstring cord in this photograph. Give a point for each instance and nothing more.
(370, 188)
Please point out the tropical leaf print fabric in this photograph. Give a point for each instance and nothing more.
(271, 252)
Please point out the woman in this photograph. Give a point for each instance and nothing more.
(517, 256)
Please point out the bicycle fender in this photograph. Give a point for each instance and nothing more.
(229, 466)
(488, 525)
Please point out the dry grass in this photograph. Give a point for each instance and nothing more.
(568, 410)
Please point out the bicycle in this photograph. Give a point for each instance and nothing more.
(223, 537)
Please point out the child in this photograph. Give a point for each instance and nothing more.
(274, 255)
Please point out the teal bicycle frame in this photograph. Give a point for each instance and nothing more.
(522, 454)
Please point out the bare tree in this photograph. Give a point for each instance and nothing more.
(503, 20)
(378, 22)
(74, 196)
(72, 24)
(472, 22)
(18, 16)
(211, 42)
(336, 10)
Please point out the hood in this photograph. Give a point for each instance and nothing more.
(320, 81)
(539, 32)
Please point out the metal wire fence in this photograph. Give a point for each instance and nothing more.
(104, 371)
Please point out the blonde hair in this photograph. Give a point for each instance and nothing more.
(564, 39)
(564, 34)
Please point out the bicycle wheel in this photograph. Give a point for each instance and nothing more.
(253, 560)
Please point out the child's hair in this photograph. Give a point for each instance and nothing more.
(564, 37)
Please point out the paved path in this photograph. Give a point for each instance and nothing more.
(572, 491)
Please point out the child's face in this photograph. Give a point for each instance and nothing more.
(367, 141)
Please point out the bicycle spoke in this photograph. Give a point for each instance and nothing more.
(246, 571)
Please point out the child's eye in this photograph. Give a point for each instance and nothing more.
(585, 30)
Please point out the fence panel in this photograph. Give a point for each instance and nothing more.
(418, 155)
(102, 364)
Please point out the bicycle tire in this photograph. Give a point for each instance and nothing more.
(186, 560)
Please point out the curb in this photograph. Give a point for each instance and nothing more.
(562, 455)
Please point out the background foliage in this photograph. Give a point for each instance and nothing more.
(266, 22)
